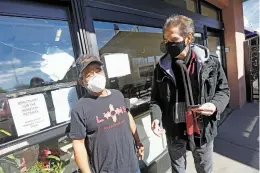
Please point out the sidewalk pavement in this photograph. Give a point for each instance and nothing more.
(237, 144)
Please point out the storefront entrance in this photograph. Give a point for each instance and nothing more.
(34, 35)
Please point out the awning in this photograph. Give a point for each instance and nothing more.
(135, 44)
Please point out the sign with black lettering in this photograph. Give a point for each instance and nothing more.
(29, 113)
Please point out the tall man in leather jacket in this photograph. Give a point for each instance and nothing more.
(191, 89)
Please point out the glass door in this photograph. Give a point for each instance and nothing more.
(214, 46)
(215, 43)
(198, 38)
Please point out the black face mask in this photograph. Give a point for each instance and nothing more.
(175, 48)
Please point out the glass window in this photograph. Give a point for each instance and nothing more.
(206, 10)
(136, 48)
(176, 3)
(34, 54)
(54, 156)
(198, 39)
(191, 5)
(23, 42)
(214, 46)
(142, 47)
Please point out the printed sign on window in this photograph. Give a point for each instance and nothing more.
(63, 100)
(117, 65)
(50, 67)
(29, 113)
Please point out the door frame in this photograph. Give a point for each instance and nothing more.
(220, 34)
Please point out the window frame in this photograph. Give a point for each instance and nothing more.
(96, 12)
(197, 7)
(131, 14)
(58, 10)
(43, 13)
(220, 34)
(205, 3)
(151, 11)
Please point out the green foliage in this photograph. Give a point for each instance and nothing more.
(37, 167)
(56, 167)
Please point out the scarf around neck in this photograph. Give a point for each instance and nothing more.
(185, 94)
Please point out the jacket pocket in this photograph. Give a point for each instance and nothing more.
(211, 126)
(210, 87)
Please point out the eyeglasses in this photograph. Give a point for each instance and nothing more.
(93, 72)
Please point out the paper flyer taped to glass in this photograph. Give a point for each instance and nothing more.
(30, 114)
(117, 65)
(63, 100)
(56, 65)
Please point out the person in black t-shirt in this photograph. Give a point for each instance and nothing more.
(102, 129)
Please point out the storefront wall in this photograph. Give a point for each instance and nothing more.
(232, 12)
(114, 28)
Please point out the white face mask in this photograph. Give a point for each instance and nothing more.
(97, 83)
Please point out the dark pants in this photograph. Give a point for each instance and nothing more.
(202, 156)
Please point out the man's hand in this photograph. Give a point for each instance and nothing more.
(140, 151)
(157, 130)
(206, 109)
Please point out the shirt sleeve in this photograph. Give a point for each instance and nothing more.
(77, 126)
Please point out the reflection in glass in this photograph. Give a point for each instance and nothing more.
(209, 11)
(198, 39)
(142, 45)
(54, 156)
(191, 5)
(23, 42)
(214, 46)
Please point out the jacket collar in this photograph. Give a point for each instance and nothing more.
(201, 52)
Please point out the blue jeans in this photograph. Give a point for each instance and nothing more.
(202, 156)
(138, 171)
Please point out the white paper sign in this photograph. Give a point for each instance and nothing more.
(117, 65)
(30, 113)
(56, 65)
(63, 100)
(153, 144)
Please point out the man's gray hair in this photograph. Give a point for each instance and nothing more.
(185, 24)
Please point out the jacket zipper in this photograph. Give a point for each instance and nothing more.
(200, 85)
(168, 84)
(199, 81)
(166, 73)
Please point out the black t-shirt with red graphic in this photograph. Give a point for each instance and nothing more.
(104, 123)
